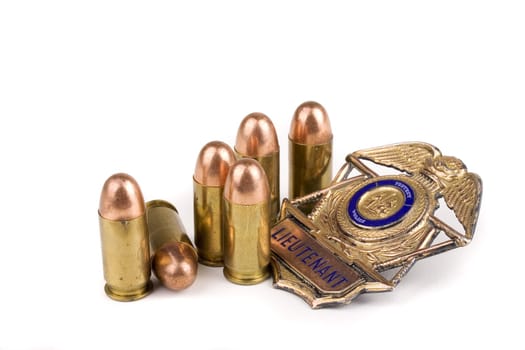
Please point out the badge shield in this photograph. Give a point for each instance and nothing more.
(364, 225)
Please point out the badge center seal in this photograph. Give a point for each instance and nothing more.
(382, 208)
(381, 203)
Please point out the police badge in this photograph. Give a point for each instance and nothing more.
(363, 226)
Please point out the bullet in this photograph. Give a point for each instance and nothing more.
(174, 257)
(257, 139)
(211, 169)
(310, 150)
(247, 235)
(124, 237)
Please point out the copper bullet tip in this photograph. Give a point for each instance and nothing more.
(246, 183)
(121, 198)
(175, 265)
(310, 125)
(213, 164)
(256, 136)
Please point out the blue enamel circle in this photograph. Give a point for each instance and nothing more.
(362, 221)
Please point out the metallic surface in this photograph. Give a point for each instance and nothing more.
(306, 255)
(174, 257)
(121, 198)
(175, 265)
(247, 235)
(124, 239)
(247, 183)
(257, 139)
(310, 150)
(372, 205)
(373, 223)
(213, 164)
(211, 170)
(164, 224)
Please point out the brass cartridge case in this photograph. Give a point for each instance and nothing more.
(124, 239)
(257, 139)
(174, 257)
(310, 150)
(211, 170)
(247, 238)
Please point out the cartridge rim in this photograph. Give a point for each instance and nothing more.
(211, 263)
(136, 295)
(247, 281)
(160, 203)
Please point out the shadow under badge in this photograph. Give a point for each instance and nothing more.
(367, 224)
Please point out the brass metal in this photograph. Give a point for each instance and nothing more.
(380, 202)
(303, 252)
(211, 170)
(164, 224)
(124, 239)
(174, 257)
(371, 223)
(310, 150)
(257, 139)
(247, 235)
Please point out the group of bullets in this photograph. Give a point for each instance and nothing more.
(236, 201)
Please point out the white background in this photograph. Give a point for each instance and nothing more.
(88, 89)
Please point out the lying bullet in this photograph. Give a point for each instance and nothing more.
(247, 235)
(125, 241)
(174, 258)
(310, 150)
(257, 139)
(211, 169)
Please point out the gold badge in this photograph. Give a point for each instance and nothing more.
(365, 225)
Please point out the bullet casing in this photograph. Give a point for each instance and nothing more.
(208, 217)
(165, 225)
(310, 168)
(310, 151)
(270, 164)
(126, 258)
(211, 169)
(247, 243)
(257, 139)
(247, 230)
(174, 257)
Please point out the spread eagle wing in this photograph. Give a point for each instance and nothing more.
(409, 157)
(463, 196)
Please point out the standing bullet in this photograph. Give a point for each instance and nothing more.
(174, 258)
(257, 139)
(310, 150)
(211, 169)
(247, 236)
(125, 241)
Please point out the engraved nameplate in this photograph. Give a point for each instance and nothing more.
(313, 261)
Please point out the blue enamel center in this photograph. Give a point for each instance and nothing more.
(358, 219)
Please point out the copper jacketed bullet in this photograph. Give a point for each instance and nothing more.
(257, 139)
(125, 241)
(211, 169)
(174, 257)
(310, 150)
(247, 236)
